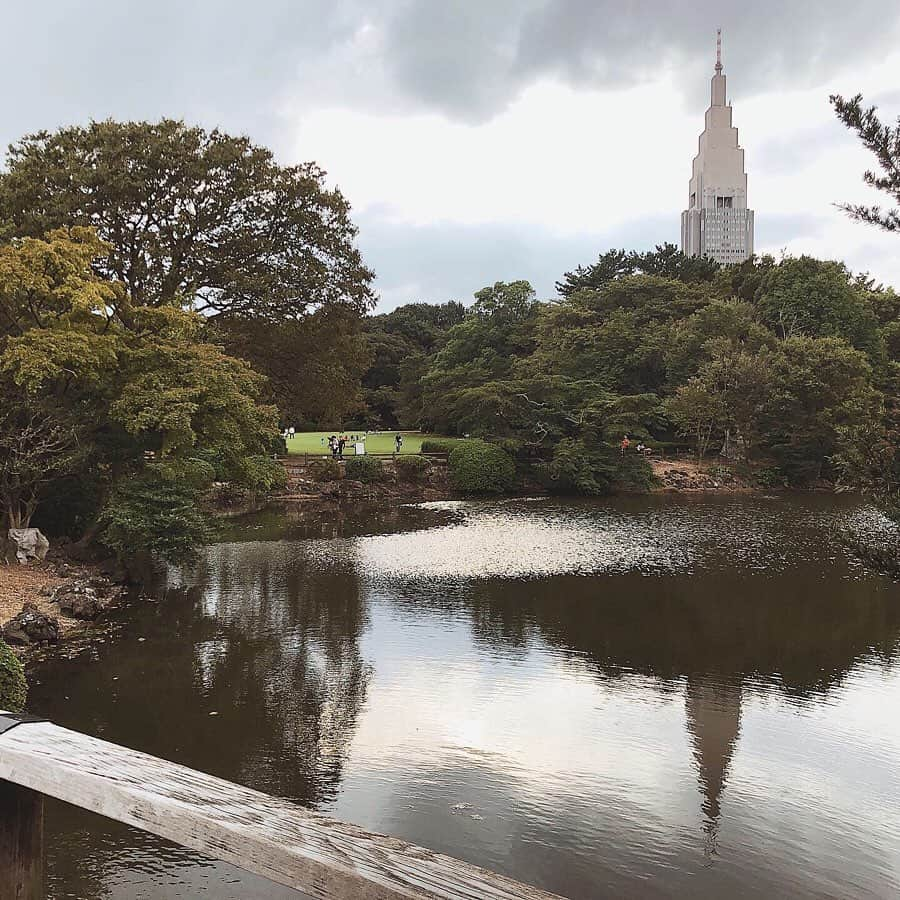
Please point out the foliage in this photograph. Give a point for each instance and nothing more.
(364, 468)
(884, 142)
(36, 448)
(579, 467)
(484, 346)
(191, 217)
(13, 685)
(436, 445)
(665, 261)
(411, 468)
(313, 366)
(477, 467)
(806, 296)
(697, 411)
(325, 470)
(399, 344)
(133, 393)
(158, 512)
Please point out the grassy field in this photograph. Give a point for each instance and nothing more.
(316, 442)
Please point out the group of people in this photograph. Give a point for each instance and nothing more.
(336, 443)
(641, 447)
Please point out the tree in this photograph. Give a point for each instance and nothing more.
(482, 348)
(664, 261)
(191, 217)
(151, 396)
(36, 448)
(699, 412)
(818, 298)
(742, 382)
(821, 387)
(400, 343)
(313, 366)
(882, 140)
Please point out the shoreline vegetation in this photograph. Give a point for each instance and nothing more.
(151, 359)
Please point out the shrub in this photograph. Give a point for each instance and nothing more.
(769, 477)
(436, 445)
(13, 686)
(365, 468)
(158, 511)
(594, 469)
(325, 470)
(411, 468)
(480, 468)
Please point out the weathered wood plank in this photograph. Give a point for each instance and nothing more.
(265, 835)
(21, 843)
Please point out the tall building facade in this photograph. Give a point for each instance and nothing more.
(717, 222)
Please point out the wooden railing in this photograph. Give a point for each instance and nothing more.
(271, 837)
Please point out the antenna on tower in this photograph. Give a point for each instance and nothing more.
(719, 50)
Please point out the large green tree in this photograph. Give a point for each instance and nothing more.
(200, 218)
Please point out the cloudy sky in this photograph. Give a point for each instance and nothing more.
(481, 140)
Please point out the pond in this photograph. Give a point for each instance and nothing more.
(652, 696)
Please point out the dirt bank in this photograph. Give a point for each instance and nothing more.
(685, 476)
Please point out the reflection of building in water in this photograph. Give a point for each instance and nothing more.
(713, 711)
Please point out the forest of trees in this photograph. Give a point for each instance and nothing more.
(792, 363)
(171, 297)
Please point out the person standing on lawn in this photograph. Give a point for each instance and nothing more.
(398, 442)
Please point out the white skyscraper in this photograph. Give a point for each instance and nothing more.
(717, 222)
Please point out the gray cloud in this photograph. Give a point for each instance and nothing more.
(235, 63)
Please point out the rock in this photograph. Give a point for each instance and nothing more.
(31, 626)
(29, 543)
(86, 598)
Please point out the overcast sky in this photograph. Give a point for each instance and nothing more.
(481, 140)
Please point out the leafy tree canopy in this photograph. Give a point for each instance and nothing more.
(665, 261)
(191, 217)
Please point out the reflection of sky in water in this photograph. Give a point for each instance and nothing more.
(712, 713)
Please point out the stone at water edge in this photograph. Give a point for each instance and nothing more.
(31, 626)
(29, 543)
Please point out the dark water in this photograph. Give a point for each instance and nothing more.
(654, 697)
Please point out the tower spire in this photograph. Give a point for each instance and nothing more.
(718, 51)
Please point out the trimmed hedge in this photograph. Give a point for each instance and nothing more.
(13, 686)
(364, 468)
(411, 468)
(480, 468)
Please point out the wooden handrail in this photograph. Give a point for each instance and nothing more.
(266, 835)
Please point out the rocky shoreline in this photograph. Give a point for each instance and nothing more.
(46, 604)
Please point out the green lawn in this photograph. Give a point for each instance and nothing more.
(316, 442)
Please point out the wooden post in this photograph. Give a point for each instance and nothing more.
(21, 843)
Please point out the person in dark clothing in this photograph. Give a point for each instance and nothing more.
(398, 442)
(341, 442)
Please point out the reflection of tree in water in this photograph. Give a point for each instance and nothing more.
(284, 663)
(713, 635)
